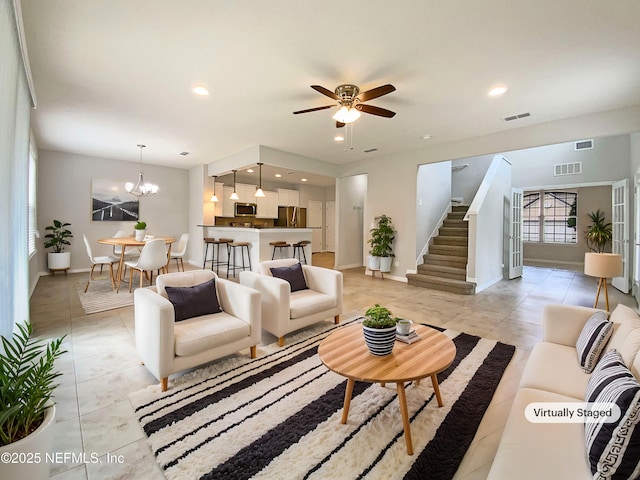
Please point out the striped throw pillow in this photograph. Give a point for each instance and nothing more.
(613, 449)
(592, 340)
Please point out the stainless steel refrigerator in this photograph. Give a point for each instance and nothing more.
(292, 217)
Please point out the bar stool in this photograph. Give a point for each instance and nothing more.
(215, 252)
(299, 247)
(231, 252)
(280, 244)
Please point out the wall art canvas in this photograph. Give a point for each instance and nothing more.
(110, 202)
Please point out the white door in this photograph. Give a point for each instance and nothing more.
(314, 221)
(620, 230)
(330, 231)
(515, 234)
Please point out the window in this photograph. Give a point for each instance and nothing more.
(33, 227)
(550, 217)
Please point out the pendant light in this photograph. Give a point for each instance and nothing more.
(141, 189)
(259, 192)
(234, 195)
(213, 197)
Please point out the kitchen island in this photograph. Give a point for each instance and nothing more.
(260, 238)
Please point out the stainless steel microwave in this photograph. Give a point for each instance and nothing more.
(245, 209)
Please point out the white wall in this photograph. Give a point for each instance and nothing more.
(64, 193)
(200, 212)
(350, 229)
(433, 199)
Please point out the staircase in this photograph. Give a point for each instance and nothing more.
(445, 266)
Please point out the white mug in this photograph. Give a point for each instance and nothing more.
(403, 327)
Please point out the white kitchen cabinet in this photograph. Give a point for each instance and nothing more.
(218, 207)
(228, 205)
(267, 205)
(246, 193)
(288, 197)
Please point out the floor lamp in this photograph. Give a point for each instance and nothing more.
(602, 266)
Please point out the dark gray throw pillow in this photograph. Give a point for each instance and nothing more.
(292, 274)
(189, 302)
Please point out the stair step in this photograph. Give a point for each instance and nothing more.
(456, 215)
(450, 240)
(446, 260)
(453, 250)
(443, 284)
(457, 273)
(455, 223)
(454, 231)
(460, 208)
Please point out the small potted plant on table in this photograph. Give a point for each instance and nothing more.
(57, 239)
(379, 328)
(141, 230)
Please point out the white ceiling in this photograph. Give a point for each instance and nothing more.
(110, 74)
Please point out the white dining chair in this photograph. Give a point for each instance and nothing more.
(101, 260)
(152, 257)
(181, 251)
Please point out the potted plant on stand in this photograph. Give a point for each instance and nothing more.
(27, 413)
(381, 239)
(57, 239)
(140, 230)
(379, 328)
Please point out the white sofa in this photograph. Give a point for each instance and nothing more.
(553, 374)
(284, 311)
(166, 346)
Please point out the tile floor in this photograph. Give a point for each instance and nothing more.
(101, 367)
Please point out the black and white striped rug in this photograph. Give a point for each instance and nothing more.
(278, 416)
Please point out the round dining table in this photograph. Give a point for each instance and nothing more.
(125, 242)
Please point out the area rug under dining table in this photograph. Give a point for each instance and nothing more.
(278, 416)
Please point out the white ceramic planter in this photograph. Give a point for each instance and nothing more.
(28, 457)
(140, 234)
(385, 264)
(58, 261)
(373, 262)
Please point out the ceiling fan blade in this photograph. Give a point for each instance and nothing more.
(381, 112)
(314, 109)
(376, 92)
(340, 124)
(325, 91)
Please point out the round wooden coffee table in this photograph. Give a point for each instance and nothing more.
(345, 353)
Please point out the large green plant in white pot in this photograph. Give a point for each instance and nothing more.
(382, 236)
(57, 239)
(27, 413)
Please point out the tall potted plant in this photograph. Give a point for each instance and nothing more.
(379, 328)
(57, 239)
(382, 237)
(599, 232)
(27, 382)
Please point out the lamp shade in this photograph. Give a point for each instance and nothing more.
(603, 265)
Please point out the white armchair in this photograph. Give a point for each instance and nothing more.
(166, 346)
(284, 311)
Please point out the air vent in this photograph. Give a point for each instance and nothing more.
(370, 150)
(515, 117)
(583, 145)
(561, 169)
(184, 154)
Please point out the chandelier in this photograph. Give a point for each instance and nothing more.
(141, 189)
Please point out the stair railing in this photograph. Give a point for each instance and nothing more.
(486, 217)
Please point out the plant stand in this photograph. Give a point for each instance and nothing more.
(54, 270)
(373, 273)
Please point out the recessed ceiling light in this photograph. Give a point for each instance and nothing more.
(200, 90)
(426, 137)
(303, 179)
(338, 138)
(497, 90)
(278, 175)
(249, 170)
(184, 154)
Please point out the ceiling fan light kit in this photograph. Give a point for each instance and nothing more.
(350, 102)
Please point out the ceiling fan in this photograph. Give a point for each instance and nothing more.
(350, 102)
